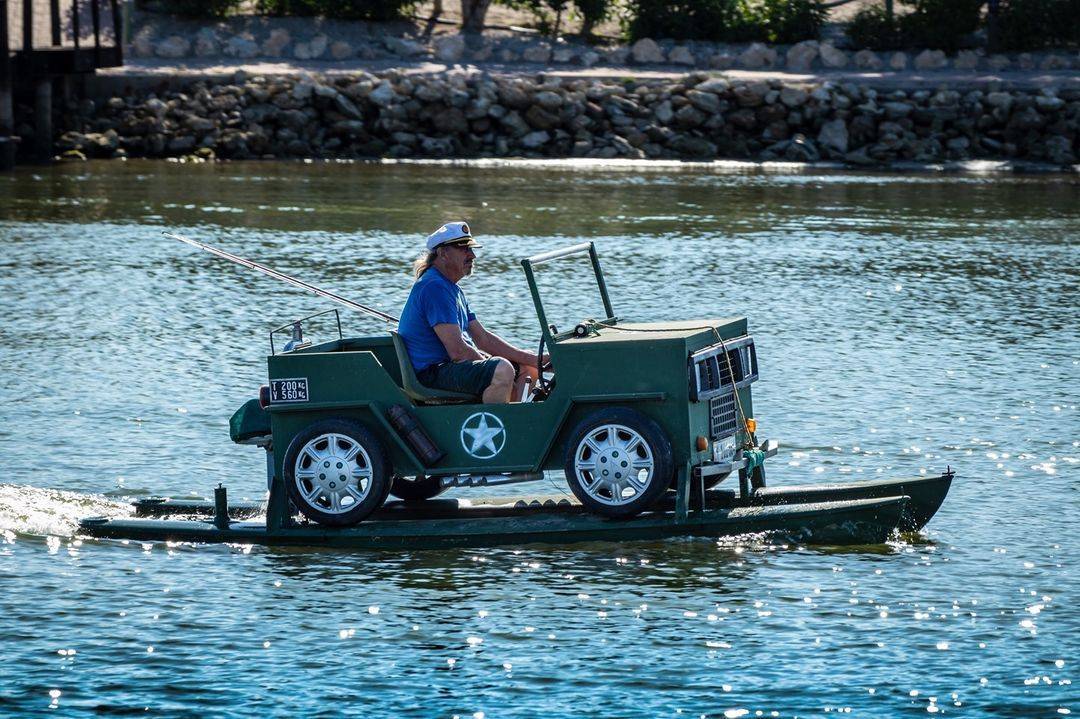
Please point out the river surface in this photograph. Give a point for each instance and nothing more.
(903, 324)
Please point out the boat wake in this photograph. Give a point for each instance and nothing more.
(32, 511)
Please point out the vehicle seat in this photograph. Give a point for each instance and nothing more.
(418, 392)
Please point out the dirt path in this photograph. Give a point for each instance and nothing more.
(145, 72)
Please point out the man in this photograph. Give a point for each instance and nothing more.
(448, 347)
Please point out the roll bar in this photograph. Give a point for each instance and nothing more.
(530, 262)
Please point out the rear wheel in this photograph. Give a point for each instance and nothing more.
(416, 489)
(618, 462)
(336, 472)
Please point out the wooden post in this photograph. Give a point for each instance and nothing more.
(7, 110)
(43, 140)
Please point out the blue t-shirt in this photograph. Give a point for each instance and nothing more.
(434, 300)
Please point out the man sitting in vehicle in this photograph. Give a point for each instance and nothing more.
(448, 347)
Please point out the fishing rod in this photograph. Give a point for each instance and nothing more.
(284, 278)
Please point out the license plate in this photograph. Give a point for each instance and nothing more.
(294, 389)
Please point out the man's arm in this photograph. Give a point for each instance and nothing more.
(456, 346)
(497, 346)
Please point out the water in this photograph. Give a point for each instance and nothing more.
(903, 323)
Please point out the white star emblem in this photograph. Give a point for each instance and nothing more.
(483, 435)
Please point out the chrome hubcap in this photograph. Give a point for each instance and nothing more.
(333, 473)
(613, 464)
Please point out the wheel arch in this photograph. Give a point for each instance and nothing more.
(372, 415)
(650, 405)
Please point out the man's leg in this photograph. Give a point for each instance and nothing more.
(502, 382)
(526, 375)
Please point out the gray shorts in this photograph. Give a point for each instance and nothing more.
(471, 377)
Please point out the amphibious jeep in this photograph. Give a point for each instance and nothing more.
(624, 409)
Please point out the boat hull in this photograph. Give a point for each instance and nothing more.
(861, 521)
(926, 493)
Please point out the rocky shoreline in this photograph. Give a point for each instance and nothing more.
(462, 115)
(249, 38)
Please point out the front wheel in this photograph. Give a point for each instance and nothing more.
(618, 462)
(336, 472)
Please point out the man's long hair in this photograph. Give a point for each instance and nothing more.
(423, 262)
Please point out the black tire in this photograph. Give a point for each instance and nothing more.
(371, 461)
(416, 490)
(654, 448)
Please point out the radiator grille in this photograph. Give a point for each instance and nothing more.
(722, 420)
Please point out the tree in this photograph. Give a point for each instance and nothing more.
(472, 15)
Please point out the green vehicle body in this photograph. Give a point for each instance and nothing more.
(648, 367)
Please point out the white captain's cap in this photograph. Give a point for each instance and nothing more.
(452, 233)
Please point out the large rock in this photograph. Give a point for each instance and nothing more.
(834, 135)
(206, 43)
(930, 60)
(722, 61)
(966, 60)
(173, 47)
(540, 118)
(689, 116)
(540, 53)
(142, 45)
(451, 121)
(831, 57)
(404, 47)
(534, 140)
(562, 54)
(274, 45)
(311, 50)
(514, 95)
(1055, 62)
(897, 110)
(664, 112)
(716, 85)
(792, 97)
(693, 146)
(757, 56)
(705, 101)
(1059, 150)
(646, 52)
(241, 46)
(681, 55)
(868, 60)
(1048, 103)
(449, 48)
(751, 94)
(589, 58)
(383, 95)
(801, 56)
(550, 101)
(341, 50)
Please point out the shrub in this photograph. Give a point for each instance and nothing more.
(940, 24)
(1032, 24)
(681, 19)
(199, 8)
(340, 9)
(873, 28)
(782, 21)
(786, 21)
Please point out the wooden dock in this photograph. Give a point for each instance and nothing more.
(46, 44)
